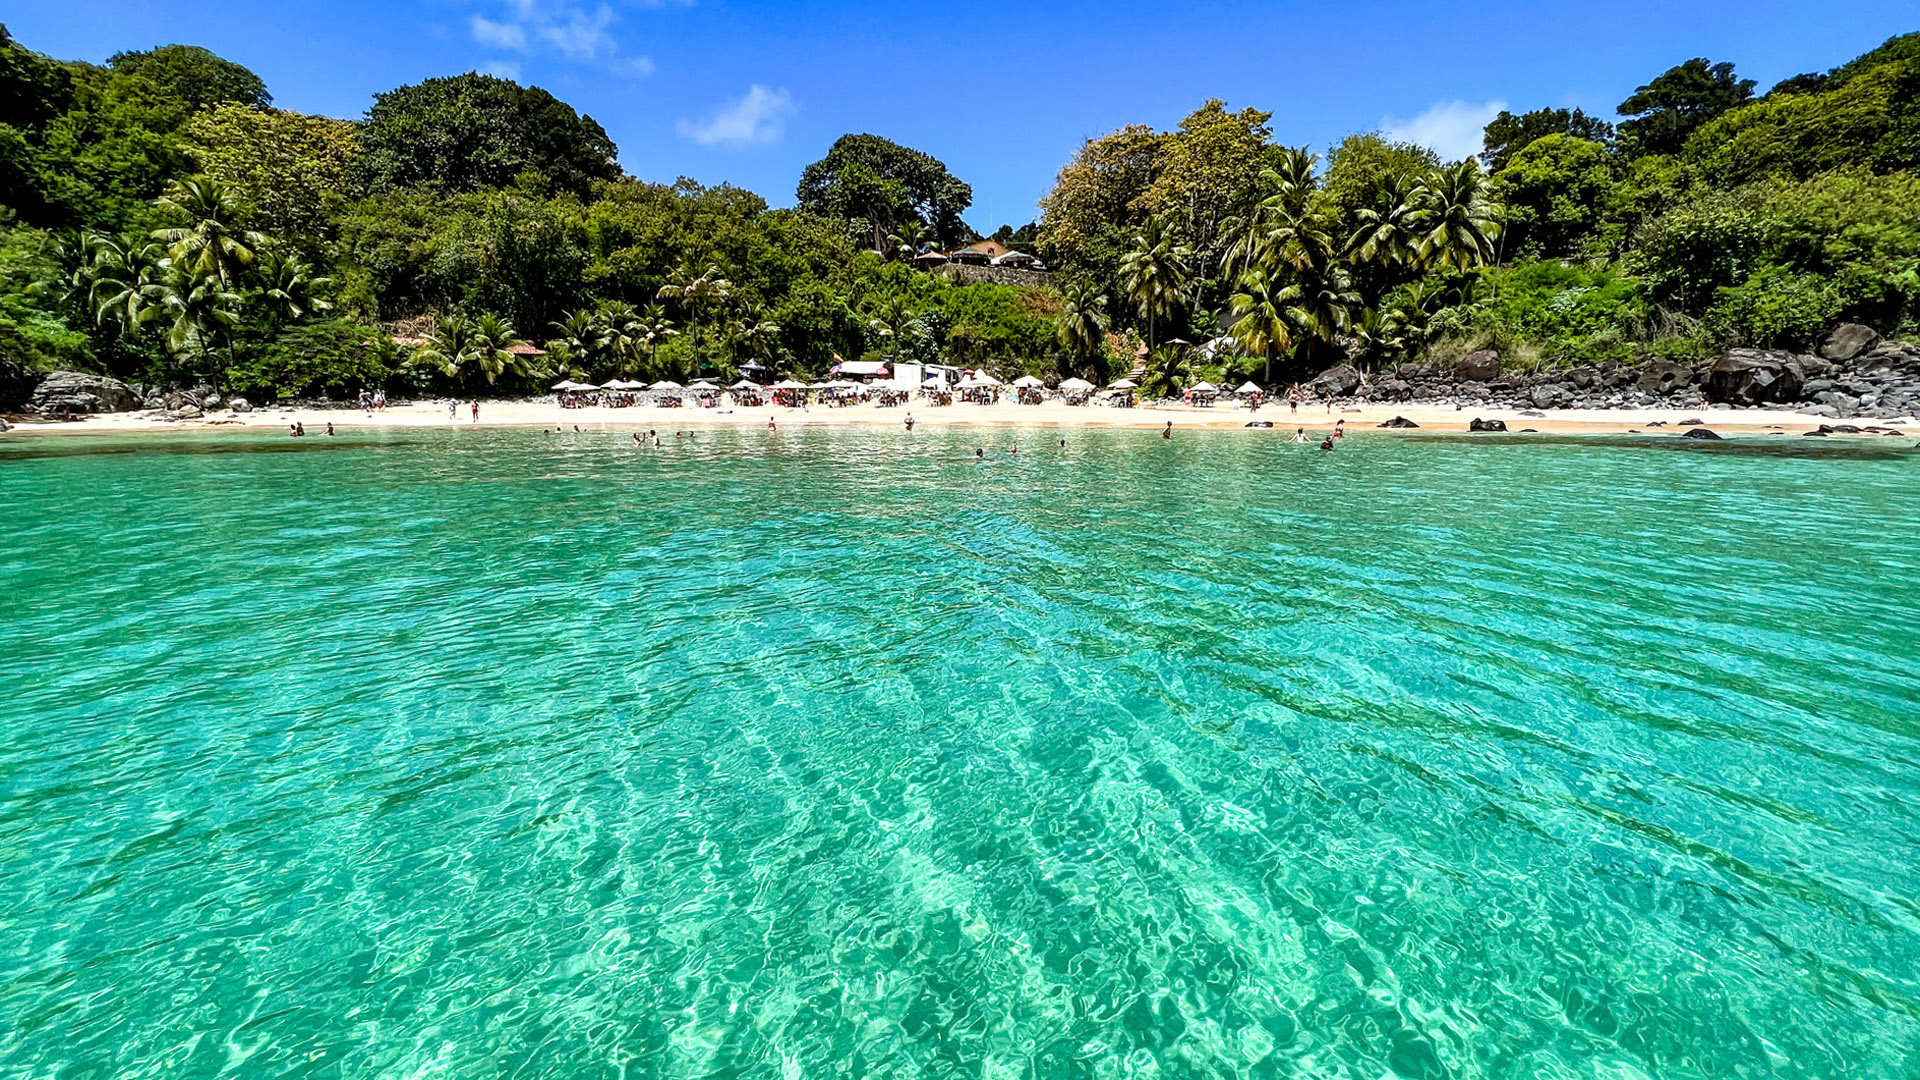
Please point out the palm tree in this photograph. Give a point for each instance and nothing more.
(891, 321)
(1388, 230)
(1261, 326)
(696, 292)
(653, 329)
(1081, 326)
(758, 335)
(212, 240)
(288, 286)
(117, 275)
(1289, 184)
(621, 334)
(195, 305)
(450, 349)
(493, 337)
(1155, 272)
(583, 335)
(909, 237)
(1319, 301)
(1459, 220)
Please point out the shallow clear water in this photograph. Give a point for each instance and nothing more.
(489, 753)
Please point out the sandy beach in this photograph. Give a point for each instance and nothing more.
(1360, 419)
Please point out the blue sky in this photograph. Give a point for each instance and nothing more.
(749, 93)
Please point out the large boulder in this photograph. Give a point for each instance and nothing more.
(1847, 341)
(1546, 397)
(1397, 422)
(1337, 381)
(1480, 366)
(1754, 377)
(1487, 425)
(82, 392)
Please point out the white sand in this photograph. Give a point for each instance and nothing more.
(1431, 418)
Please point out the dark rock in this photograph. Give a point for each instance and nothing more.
(1393, 390)
(1847, 341)
(240, 404)
(1813, 434)
(1843, 429)
(82, 392)
(1691, 421)
(1260, 423)
(1545, 397)
(1487, 425)
(1337, 381)
(1663, 377)
(3, 425)
(1397, 422)
(1480, 366)
(1754, 376)
(1529, 431)
(188, 412)
(1699, 433)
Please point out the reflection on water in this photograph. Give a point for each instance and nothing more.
(811, 753)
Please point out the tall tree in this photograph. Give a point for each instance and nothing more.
(866, 176)
(1260, 317)
(193, 76)
(1507, 134)
(290, 169)
(1155, 273)
(213, 240)
(1460, 221)
(1081, 326)
(1664, 112)
(474, 131)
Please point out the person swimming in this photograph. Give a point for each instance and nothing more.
(329, 427)
(770, 426)
(979, 454)
(636, 438)
(1299, 435)
(1327, 444)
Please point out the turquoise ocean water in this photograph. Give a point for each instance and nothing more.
(513, 754)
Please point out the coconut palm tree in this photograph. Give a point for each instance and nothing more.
(1387, 232)
(696, 292)
(757, 335)
(117, 275)
(212, 240)
(450, 349)
(1459, 220)
(1081, 327)
(288, 287)
(1261, 325)
(621, 335)
(1155, 272)
(1289, 185)
(653, 329)
(891, 321)
(908, 238)
(583, 335)
(196, 307)
(1319, 301)
(493, 337)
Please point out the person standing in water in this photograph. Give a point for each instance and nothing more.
(1168, 433)
(1340, 428)
(1299, 435)
(909, 421)
(770, 426)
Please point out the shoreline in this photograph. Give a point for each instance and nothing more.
(1431, 418)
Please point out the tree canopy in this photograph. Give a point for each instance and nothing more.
(469, 132)
(886, 184)
(1507, 134)
(1665, 112)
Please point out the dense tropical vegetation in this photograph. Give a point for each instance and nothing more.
(161, 221)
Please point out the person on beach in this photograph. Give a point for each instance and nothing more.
(453, 409)
(1293, 397)
(1168, 433)
(380, 401)
(909, 421)
(366, 400)
(476, 411)
(1299, 435)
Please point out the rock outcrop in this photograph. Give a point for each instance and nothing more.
(82, 392)
(1338, 381)
(1397, 422)
(1847, 341)
(1480, 366)
(1487, 425)
(1756, 377)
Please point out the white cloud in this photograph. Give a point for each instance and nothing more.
(503, 69)
(759, 117)
(638, 67)
(499, 35)
(580, 35)
(1451, 129)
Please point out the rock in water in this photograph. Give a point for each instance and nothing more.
(1487, 425)
(1480, 366)
(1847, 341)
(1397, 422)
(1260, 423)
(1699, 433)
(82, 392)
(1337, 381)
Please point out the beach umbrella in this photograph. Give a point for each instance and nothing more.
(1203, 387)
(984, 379)
(753, 365)
(612, 384)
(789, 384)
(1075, 384)
(1124, 384)
(934, 380)
(1027, 381)
(704, 384)
(1249, 388)
(666, 384)
(745, 384)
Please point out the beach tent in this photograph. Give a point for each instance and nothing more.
(704, 384)
(569, 384)
(1028, 381)
(666, 384)
(1075, 384)
(745, 384)
(1249, 388)
(789, 384)
(1203, 387)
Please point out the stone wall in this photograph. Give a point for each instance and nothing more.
(997, 275)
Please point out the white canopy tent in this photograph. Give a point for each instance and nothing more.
(1028, 382)
(1075, 384)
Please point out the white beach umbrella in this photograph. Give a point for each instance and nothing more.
(1203, 387)
(1075, 384)
(985, 379)
(1249, 388)
(789, 384)
(666, 384)
(1027, 381)
(1124, 384)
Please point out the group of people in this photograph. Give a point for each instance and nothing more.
(299, 430)
(1339, 432)
(373, 402)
